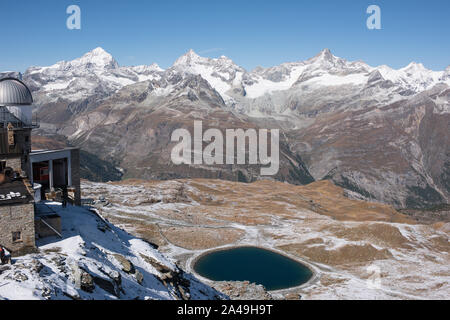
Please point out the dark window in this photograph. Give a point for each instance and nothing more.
(27, 138)
(17, 236)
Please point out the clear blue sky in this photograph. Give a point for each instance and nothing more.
(250, 32)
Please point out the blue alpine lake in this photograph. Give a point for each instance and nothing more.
(274, 271)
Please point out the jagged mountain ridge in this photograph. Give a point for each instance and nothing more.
(222, 73)
(300, 97)
(134, 127)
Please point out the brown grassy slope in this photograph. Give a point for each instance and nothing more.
(44, 142)
(255, 198)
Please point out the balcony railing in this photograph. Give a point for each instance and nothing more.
(7, 117)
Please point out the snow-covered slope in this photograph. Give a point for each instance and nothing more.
(96, 260)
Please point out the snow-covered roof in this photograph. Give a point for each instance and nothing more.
(14, 192)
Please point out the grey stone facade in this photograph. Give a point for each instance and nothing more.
(17, 220)
(17, 229)
(15, 163)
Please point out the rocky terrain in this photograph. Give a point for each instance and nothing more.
(97, 260)
(357, 249)
(396, 153)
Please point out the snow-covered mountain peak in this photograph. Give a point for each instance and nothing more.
(222, 73)
(326, 62)
(189, 58)
(97, 57)
(97, 60)
(415, 76)
(94, 73)
(325, 54)
(99, 51)
(154, 67)
(446, 74)
(324, 57)
(414, 67)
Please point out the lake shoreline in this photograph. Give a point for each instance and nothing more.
(315, 274)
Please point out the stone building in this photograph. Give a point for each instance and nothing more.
(28, 177)
(17, 223)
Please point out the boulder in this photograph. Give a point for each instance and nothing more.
(108, 285)
(4, 268)
(19, 276)
(184, 293)
(36, 266)
(156, 264)
(116, 277)
(126, 264)
(86, 282)
(139, 276)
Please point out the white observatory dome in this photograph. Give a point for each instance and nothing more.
(14, 92)
(17, 98)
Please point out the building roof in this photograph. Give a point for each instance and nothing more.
(14, 92)
(14, 192)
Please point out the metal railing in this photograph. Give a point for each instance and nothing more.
(35, 121)
(7, 117)
(49, 226)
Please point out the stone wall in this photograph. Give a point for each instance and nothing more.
(16, 155)
(15, 163)
(17, 218)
